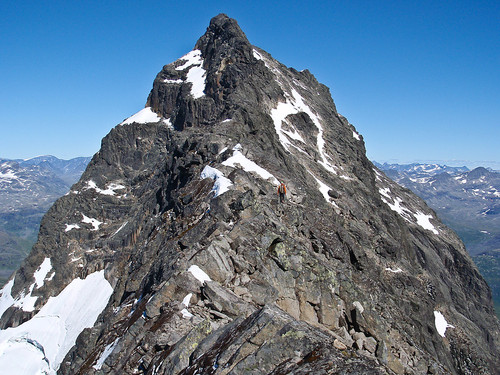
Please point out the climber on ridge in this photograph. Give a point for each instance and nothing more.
(282, 192)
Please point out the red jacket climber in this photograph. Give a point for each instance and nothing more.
(282, 192)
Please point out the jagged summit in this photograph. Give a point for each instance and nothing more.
(224, 35)
(196, 267)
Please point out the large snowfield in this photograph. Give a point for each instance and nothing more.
(39, 345)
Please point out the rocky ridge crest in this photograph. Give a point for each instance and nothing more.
(209, 273)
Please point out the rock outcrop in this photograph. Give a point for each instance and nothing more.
(209, 274)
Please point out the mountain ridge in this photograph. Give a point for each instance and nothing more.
(180, 204)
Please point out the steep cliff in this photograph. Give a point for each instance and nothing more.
(173, 255)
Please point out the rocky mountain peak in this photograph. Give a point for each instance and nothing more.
(197, 266)
(224, 39)
(478, 172)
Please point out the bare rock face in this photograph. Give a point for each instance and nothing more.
(209, 273)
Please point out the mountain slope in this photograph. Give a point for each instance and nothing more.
(467, 201)
(176, 227)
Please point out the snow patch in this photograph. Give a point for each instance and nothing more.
(88, 220)
(222, 151)
(324, 189)
(397, 270)
(257, 55)
(105, 354)
(109, 191)
(199, 274)
(71, 226)
(144, 116)
(221, 184)
(441, 323)
(295, 104)
(167, 122)
(6, 299)
(8, 175)
(356, 135)
(423, 221)
(119, 229)
(173, 81)
(196, 74)
(42, 272)
(187, 299)
(279, 115)
(248, 165)
(41, 343)
(421, 218)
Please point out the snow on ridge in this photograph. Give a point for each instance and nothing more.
(185, 302)
(71, 226)
(144, 116)
(191, 58)
(421, 219)
(42, 272)
(222, 151)
(441, 323)
(26, 302)
(295, 104)
(324, 189)
(109, 191)
(41, 343)
(221, 184)
(6, 299)
(173, 81)
(268, 63)
(168, 122)
(199, 274)
(88, 220)
(257, 55)
(187, 299)
(356, 135)
(105, 354)
(397, 270)
(248, 165)
(279, 115)
(8, 175)
(119, 229)
(316, 120)
(196, 75)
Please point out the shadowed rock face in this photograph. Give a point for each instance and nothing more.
(212, 275)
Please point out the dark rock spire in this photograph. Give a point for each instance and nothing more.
(223, 37)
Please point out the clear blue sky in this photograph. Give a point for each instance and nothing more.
(420, 80)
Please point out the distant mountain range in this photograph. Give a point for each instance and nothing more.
(27, 189)
(468, 201)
